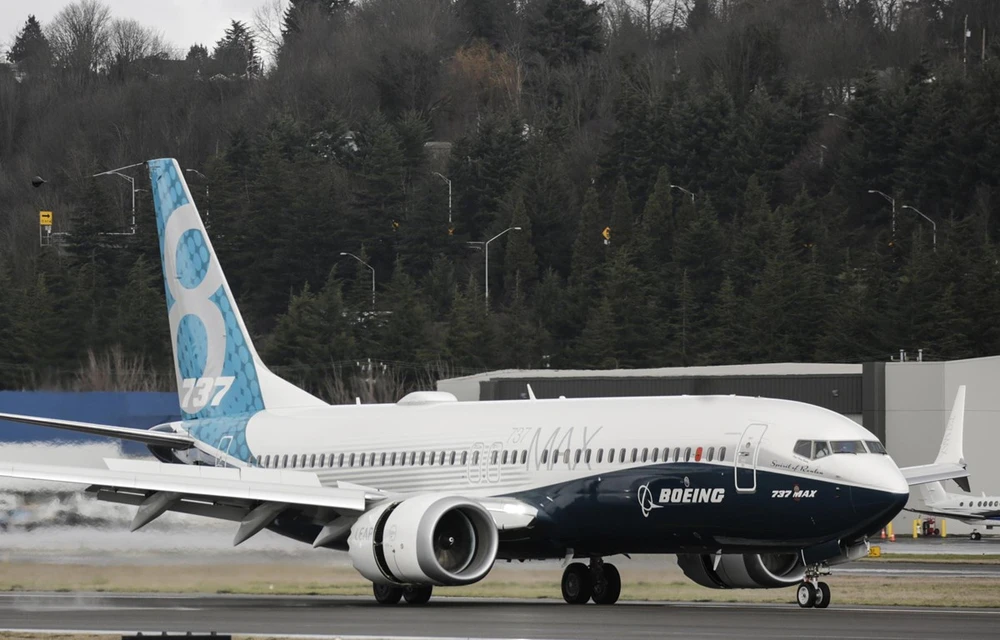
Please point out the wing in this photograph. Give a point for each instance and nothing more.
(253, 497)
(159, 438)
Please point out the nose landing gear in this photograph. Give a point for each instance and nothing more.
(812, 593)
(600, 582)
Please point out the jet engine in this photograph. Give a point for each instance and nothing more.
(743, 571)
(429, 539)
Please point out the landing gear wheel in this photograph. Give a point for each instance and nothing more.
(806, 595)
(608, 585)
(577, 584)
(417, 594)
(822, 595)
(975, 535)
(387, 593)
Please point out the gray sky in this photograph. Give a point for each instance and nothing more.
(181, 22)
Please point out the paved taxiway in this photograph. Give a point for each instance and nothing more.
(468, 618)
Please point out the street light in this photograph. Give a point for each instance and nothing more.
(344, 253)
(486, 250)
(933, 224)
(449, 195)
(207, 199)
(680, 188)
(892, 201)
(131, 181)
(837, 115)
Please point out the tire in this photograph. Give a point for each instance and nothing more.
(805, 595)
(417, 594)
(608, 588)
(577, 584)
(975, 535)
(387, 593)
(822, 596)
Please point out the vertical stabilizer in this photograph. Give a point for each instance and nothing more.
(951, 444)
(219, 374)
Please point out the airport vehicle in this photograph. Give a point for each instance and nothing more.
(937, 501)
(748, 492)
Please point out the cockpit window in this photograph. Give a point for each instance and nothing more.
(822, 450)
(804, 448)
(848, 446)
(876, 447)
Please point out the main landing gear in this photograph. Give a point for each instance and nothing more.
(975, 535)
(812, 593)
(599, 582)
(391, 594)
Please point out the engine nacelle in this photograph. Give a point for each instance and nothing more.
(430, 539)
(743, 571)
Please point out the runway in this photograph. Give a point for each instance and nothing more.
(476, 618)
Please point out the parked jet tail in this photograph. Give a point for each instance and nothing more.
(219, 374)
(950, 461)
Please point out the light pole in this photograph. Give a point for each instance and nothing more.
(892, 201)
(680, 188)
(837, 115)
(207, 198)
(486, 250)
(344, 253)
(921, 214)
(131, 181)
(443, 177)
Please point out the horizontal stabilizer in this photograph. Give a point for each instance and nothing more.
(158, 438)
(926, 473)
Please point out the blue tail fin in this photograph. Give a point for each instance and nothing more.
(219, 374)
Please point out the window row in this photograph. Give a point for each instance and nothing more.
(981, 503)
(495, 457)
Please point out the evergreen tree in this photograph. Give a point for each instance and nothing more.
(596, 347)
(470, 329)
(31, 48)
(236, 54)
(622, 218)
(565, 31)
(729, 339)
(589, 248)
(301, 13)
(142, 328)
(658, 228)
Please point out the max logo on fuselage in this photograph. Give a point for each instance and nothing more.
(677, 496)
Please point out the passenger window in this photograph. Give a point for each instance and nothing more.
(600, 456)
(452, 458)
(722, 454)
(677, 454)
(493, 457)
(475, 458)
(465, 458)
(645, 454)
(687, 454)
(350, 461)
(381, 461)
(322, 459)
(524, 456)
(576, 458)
(656, 454)
(545, 456)
(361, 460)
(295, 459)
(392, 459)
(804, 448)
(423, 458)
(340, 460)
(555, 457)
(586, 456)
(566, 456)
(621, 455)
(611, 456)
(284, 461)
(711, 453)
(513, 457)
(312, 460)
(503, 459)
(267, 460)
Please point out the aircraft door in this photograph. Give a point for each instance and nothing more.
(224, 444)
(745, 465)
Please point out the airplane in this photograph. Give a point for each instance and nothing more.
(428, 491)
(939, 502)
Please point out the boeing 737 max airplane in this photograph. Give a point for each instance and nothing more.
(748, 492)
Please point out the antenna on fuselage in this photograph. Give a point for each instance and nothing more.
(531, 393)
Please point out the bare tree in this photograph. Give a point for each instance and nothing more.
(131, 43)
(80, 36)
(267, 21)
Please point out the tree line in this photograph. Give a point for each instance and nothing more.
(695, 182)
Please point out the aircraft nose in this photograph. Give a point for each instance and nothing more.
(879, 504)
